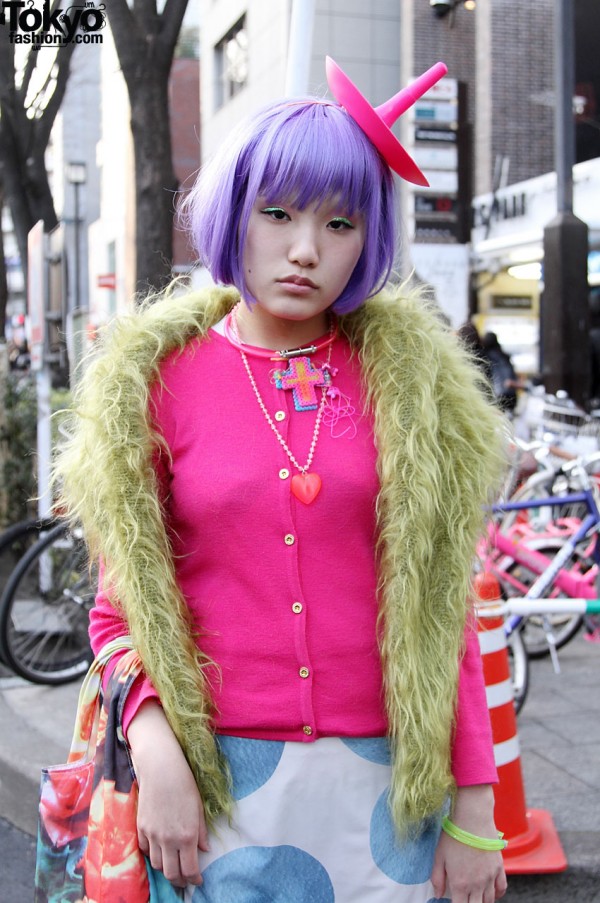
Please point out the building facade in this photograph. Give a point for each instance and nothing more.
(499, 56)
(500, 86)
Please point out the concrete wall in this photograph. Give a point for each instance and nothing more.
(362, 38)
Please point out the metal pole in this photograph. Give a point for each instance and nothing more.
(76, 304)
(564, 82)
(299, 48)
(44, 405)
(44, 440)
(564, 314)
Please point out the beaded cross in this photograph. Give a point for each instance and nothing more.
(302, 378)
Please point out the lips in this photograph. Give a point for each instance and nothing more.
(297, 280)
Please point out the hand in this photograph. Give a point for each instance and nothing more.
(170, 819)
(463, 873)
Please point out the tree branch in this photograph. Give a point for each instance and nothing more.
(171, 17)
(146, 14)
(13, 121)
(126, 35)
(7, 66)
(43, 125)
(30, 63)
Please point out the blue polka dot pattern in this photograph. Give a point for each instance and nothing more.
(281, 874)
(252, 762)
(407, 862)
(375, 749)
(160, 888)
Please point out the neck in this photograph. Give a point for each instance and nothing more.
(258, 327)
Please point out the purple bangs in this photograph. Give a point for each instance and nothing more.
(298, 153)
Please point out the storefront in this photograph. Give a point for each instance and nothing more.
(507, 255)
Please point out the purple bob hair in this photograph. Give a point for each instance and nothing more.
(299, 152)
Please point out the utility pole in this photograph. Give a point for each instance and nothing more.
(302, 23)
(564, 315)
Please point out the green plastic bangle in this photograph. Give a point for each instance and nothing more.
(472, 840)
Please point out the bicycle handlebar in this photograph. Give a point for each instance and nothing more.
(522, 606)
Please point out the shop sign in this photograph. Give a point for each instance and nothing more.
(441, 182)
(436, 135)
(435, 231)
(444, 112)
(445, 158)
(509, 206)
(512, 302)
(445, 89)
(431, 204)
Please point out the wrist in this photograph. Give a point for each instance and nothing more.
(473, 809)
(150, 737)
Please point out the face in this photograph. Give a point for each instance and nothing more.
(298, 262)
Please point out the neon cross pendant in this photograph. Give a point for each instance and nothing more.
(302, 378)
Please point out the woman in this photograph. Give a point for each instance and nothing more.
(288, 537)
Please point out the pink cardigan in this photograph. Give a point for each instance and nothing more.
(282, 593)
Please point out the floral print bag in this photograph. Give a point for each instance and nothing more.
(87, 848)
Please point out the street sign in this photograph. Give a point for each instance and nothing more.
(108, 280)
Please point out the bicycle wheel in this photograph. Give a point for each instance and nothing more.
(563, 627)
(44, 610)
(14, 542)
(519, 668)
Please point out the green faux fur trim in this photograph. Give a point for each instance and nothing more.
(440, 456)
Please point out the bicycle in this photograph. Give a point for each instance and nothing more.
(519, 559)
(555, 474)
(44, 608)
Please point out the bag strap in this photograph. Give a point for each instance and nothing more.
(88, 706)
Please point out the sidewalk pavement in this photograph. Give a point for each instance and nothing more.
(559, 735)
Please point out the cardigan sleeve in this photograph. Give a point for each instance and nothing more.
(472, 747)
(106, 624)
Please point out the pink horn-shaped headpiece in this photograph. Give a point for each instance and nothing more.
(376, 121)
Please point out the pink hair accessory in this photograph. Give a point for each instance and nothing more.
(376, 121)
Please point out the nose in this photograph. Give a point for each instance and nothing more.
(304, 248)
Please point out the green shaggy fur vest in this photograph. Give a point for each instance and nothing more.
(439, 458)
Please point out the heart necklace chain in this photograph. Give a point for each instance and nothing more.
(305, 486)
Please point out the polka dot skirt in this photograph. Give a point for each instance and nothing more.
(311, 825)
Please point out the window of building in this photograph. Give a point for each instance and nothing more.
(231, 61)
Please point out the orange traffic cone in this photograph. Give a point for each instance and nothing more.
(533, 842)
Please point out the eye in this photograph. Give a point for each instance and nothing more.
(276, 213)
(340, 224)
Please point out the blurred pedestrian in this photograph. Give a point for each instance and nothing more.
(504, 377)
(288, 536)
(19, 357)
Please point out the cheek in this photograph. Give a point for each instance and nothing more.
(354, 256)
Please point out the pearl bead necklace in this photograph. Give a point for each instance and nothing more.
(305, 486)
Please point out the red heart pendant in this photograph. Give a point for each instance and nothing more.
(306, 486)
